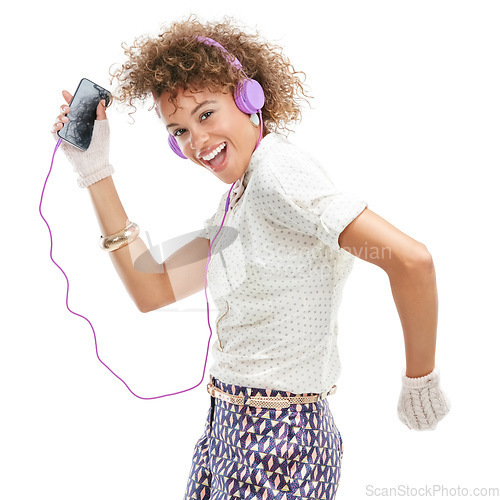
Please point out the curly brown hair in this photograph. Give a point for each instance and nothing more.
(176, 60)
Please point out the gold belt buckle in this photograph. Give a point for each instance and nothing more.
(266, 402)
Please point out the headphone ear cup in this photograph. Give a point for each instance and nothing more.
(175, 147)
(249, 96)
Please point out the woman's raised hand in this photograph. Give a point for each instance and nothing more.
(91, 165)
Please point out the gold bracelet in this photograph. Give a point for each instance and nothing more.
(121, 238)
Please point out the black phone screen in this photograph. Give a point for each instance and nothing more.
(78, 130)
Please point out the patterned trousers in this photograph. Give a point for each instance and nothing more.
(248, 452)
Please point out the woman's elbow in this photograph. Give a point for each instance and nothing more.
(148, 306)
(420, 259)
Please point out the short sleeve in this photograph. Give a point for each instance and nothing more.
(342, 209)
(300, 196)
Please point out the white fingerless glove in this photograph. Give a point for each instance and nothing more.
(91, 165)
(422, 403)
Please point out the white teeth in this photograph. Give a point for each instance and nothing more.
(214, 153)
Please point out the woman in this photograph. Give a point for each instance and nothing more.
(277, 266)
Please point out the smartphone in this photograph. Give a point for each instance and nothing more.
(78, 130)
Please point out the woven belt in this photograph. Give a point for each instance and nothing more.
(277, 402)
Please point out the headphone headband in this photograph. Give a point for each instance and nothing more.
(229, 58)
(248, 97)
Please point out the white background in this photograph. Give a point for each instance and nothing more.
(406, 114)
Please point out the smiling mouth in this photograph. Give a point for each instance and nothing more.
(216, 158)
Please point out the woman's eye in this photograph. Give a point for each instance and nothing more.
(180, 131)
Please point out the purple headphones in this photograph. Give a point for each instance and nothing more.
(249, 95)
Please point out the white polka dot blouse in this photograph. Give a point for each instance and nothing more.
(277, 273)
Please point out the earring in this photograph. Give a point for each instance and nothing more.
(254, 118)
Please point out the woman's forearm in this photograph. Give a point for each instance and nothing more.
(147, 284)
(415, 295)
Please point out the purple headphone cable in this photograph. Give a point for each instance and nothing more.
(206, 269)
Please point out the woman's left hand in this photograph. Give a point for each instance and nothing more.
(422, 403)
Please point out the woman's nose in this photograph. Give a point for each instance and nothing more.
(198, 139)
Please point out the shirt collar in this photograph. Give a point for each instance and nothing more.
(266, 144)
